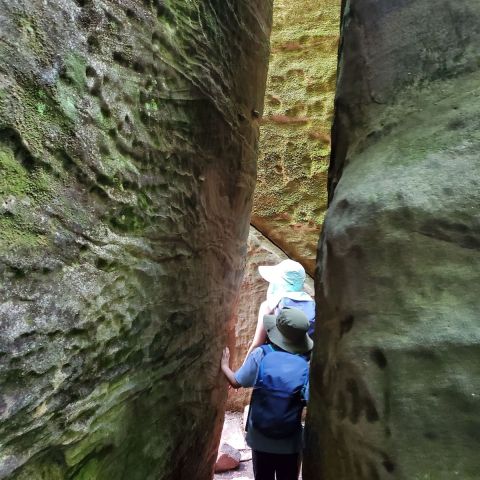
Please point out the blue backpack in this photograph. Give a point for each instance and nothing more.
(306, 306)
(278, 395)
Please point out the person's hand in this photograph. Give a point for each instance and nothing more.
(225, 357)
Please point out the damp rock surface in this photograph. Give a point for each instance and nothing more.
(291, 193)
(127, 165)
(396, 365)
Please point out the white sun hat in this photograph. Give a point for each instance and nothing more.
(289, 273)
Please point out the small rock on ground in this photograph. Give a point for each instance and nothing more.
(228, 458)
(234, 434)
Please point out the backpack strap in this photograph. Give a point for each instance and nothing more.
(266, 348)
(305, 391)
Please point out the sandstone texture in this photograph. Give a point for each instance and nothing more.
(396, 374)
(253, 292)
(128, 137)
(291, 194)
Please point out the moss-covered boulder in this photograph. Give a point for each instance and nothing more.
(396, 372)
(128, 136)
(291, 194)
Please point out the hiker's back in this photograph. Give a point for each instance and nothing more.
(277, 398)
(278, 372)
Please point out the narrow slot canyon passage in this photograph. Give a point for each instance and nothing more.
(290, 197)
(154, 153)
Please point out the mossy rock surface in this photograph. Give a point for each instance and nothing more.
(396, 370)
(127, 167)
(291, 193)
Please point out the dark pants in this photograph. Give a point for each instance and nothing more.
(266, 465)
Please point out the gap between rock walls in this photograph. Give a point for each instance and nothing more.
(397, 256)
(291, 192)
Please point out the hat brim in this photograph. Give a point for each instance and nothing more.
(302, 346)
(270, 273)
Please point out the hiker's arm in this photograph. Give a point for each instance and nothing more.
(227, 370)
(260, 333)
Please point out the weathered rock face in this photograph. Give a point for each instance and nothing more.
(396, 366)
(127, 163)
(253, 292)
(291, 194)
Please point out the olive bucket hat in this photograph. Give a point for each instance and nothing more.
(289, 330)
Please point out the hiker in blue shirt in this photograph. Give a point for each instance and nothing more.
(285, 289)
(279, 373)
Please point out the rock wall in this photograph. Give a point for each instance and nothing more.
(291, 194)
(253, 292)
(396, 366)
(128, 137)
